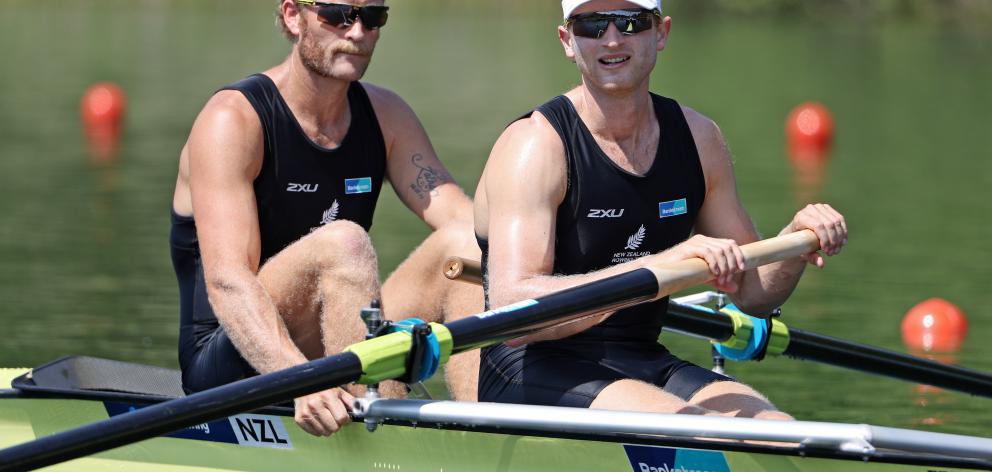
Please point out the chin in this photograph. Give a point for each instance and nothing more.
(612, 86)
(349, 72)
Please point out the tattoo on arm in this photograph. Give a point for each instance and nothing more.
(428, 178)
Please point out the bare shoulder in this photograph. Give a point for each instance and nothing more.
(228, 112)
(388, 104)
(704, 130)
(529, 157)
(714, 155)
(530, 138)
(227, 132)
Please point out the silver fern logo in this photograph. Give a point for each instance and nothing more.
(331, 213)
(636, 239)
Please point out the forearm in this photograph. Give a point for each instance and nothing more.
(504, 291)
(768, 287)
(248, 316)
(449, 206)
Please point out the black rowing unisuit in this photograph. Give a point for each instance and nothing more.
(300, 187)
(608, 216)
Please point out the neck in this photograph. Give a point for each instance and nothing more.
(617, 116)
(313, 98)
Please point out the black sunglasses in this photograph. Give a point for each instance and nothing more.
(594, 24)
(340, 14)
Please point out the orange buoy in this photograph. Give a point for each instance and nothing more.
(810, 132)
(934, 325)
(102, 111)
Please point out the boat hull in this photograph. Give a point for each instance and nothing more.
(269, 442)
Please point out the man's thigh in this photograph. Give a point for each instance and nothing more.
(298, 278)
(418, 288)
(737, 399)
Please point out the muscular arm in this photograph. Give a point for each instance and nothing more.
(417, 175)
(723, 216)
(224, 153)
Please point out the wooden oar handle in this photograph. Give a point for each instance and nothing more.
(465, 270)
(684, 274)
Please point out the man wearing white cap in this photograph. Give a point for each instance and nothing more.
(605, 179)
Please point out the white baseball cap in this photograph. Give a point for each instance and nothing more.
(568, 6)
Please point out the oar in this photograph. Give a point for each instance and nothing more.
(384, 357)
(457, 268)
(799, 344)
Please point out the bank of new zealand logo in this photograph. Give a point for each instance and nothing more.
(331, 213)
(635, 240)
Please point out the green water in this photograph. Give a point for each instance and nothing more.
(84, 264)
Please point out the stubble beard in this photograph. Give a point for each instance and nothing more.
(319, 60)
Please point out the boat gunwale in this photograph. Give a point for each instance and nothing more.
(879, 455)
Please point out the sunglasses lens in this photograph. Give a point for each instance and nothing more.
(374, 17)
(590, 27)
(334, 15)
(636, 25)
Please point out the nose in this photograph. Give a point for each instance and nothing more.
(356, 31)
(613, 36)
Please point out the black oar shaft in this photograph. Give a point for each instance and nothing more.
(604, 295)
(163, 418)
(698, 322)
(841, 353)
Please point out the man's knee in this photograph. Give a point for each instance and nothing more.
(457, 239)
(630, 394)
(341, 238)
(738, 398)
(723, 388)
(774, 415)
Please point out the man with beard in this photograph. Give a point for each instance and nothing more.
(605, 179)
(277, 186)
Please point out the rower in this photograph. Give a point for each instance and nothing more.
(277, 187)
(605, 179)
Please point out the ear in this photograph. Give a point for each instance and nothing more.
(291, 16)
(566, 42)
(664, 28)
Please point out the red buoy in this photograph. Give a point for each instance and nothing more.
(934, 325)
(102, 112)
(810, 132)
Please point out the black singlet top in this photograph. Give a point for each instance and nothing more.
(610, 216)
(300, 187)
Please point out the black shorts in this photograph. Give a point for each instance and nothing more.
(206, 355)
(215, 362)
(574, 373)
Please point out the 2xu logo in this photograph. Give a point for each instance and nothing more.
(307, 188)
(608, 213)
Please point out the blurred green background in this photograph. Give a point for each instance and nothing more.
(84, 261)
